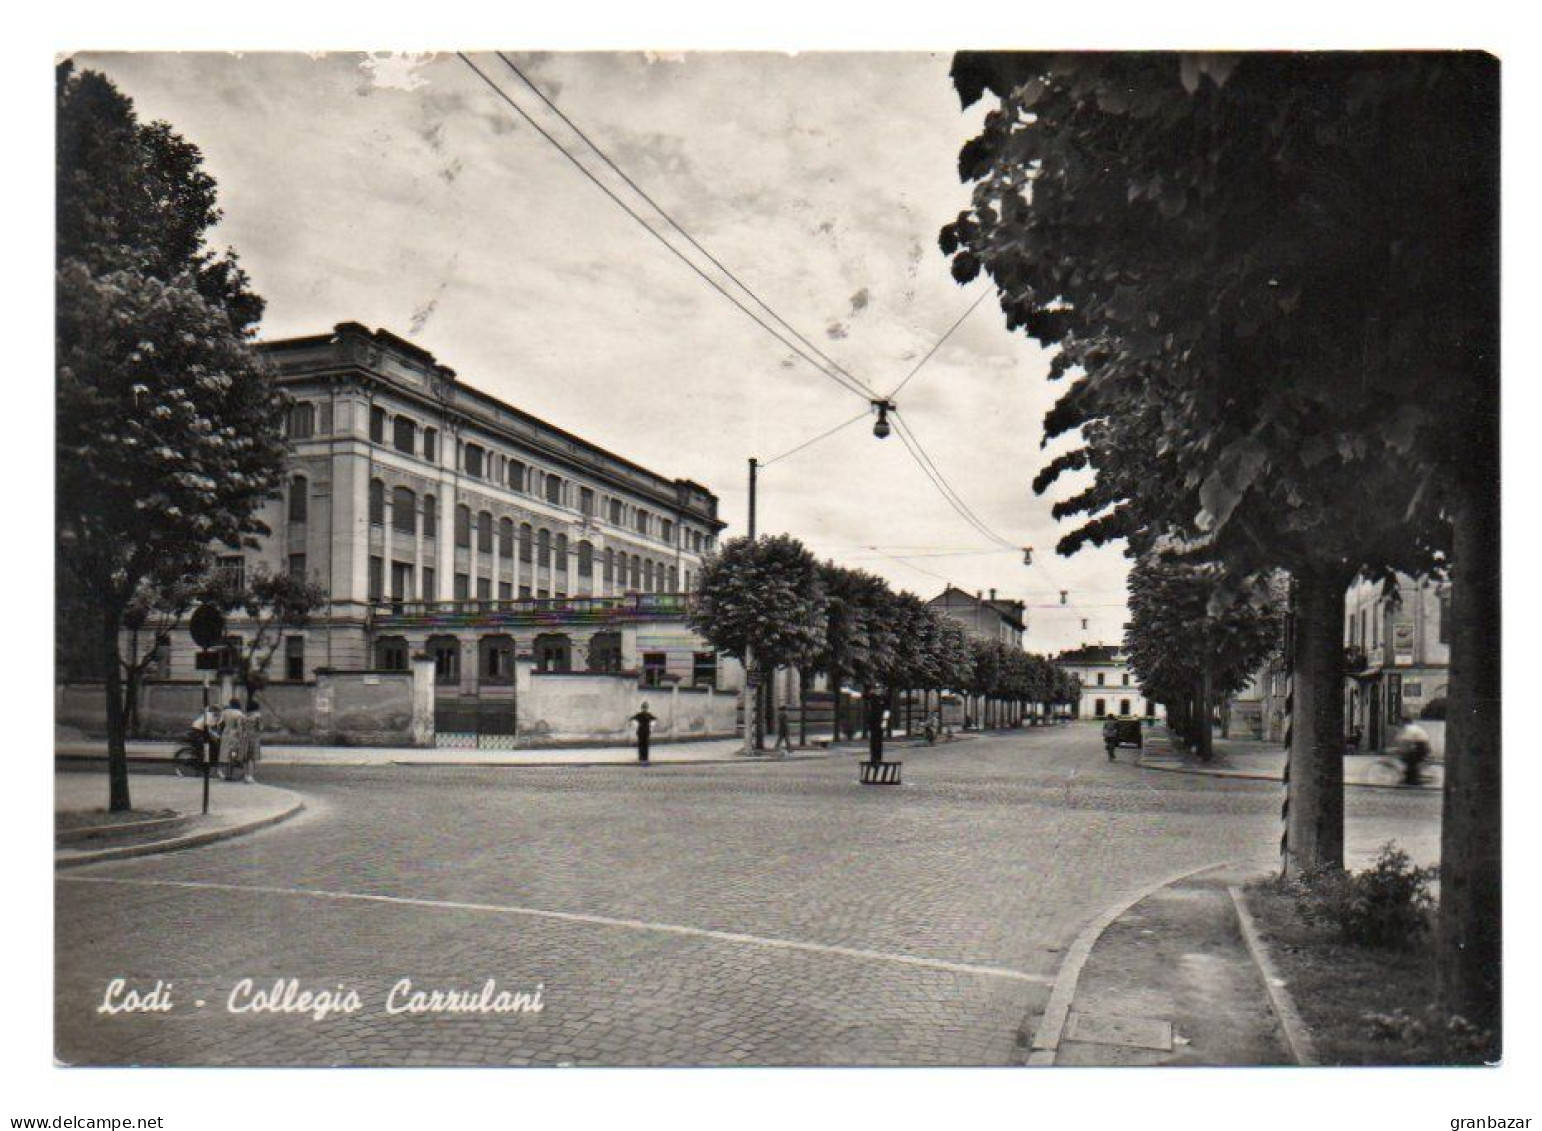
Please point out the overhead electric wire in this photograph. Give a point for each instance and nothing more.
(938, 345)
(810, 443)
(918, 453)
(856, 389)
(657, 207)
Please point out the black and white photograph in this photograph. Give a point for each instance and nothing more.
(898, 558)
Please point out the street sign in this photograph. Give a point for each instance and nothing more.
(208, 660)
(207, 626)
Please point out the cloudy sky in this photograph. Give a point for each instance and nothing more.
(401, 193)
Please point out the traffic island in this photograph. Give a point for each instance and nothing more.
(880, 773)
(166, 817)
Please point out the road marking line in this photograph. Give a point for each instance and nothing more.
(581, 917)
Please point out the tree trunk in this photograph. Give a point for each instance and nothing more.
(1314, 831)
(1468, 936)
(1204, 745)
(117, 749)
(751, 701)
(803, 706)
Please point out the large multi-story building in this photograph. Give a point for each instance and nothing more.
(984, 618)
(444, 522)
(1109, 686)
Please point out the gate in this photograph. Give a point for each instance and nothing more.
(475, 724)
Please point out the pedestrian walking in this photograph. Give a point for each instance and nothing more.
(644, 720)
(232, 736)
(251, 752)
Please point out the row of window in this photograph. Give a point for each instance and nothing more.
(1100, 708)
(620, 571)
(551, 652)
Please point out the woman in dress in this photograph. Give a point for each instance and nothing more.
(251, 751)
(232, 738)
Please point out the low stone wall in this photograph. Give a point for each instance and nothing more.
(575, 708)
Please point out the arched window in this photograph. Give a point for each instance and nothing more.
(585, 560)
(505, 537)
(463, 525)
(543, 548)
(495, 655)
(484, 532)
(562, 554)
(605, 652)
(376, 502)
(404, 435)
(446, 653)
(299, 499)
(610, 566)
(526, 538)
(404, 511)
(554, 490)
(430, 517)
(674, 580)
(552, 652)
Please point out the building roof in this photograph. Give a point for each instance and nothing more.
(1111, 654)
(357, 345)
(1009, 611)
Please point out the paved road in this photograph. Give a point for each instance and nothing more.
(739, 914)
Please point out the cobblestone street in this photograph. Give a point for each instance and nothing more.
(769, 913)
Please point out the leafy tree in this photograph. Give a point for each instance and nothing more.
(763, 603)
(169, 429)
(274, 603)
(1277, 275)
(1189, 653)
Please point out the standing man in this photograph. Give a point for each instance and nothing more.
(644, 720)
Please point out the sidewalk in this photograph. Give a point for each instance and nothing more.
(1170, 980)
(234, 808)
(670, 753)
(1265, 761)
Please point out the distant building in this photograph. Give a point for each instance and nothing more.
(1109, 686)
(1396, 654)
(985, 618)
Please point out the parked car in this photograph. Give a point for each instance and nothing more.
(1122, 732)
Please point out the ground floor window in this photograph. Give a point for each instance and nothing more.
(446, 653)
(391, 654)
(1124, 707)
(704, 669)
(605, 652)
(553, 652)
(294, 658)
(654, 666)
(1099, 708)
(497, 659)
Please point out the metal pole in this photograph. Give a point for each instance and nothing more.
(754, 468)
(208, 747)
(751, 685)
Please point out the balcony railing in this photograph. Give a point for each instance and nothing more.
(534, 610)
(1355, 658)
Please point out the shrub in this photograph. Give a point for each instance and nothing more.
(1386, 906)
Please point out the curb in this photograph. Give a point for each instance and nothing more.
(1297, 1038)
(177, 844)
(1057, 1011)
(1198, 771)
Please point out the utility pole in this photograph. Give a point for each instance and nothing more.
(751, 683)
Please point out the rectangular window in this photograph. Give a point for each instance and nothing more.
(463, 526)
(667, 531)
(1443, 616)
(505, 590)
(294, 658)
(377, 423)
(232, 571)
(376, 577)
(430, 584)
(654, 665)
(554, 490)
(484, 588)
(462, 586)
(302, 420)
(524, 592)
(484, 533)
(1098, 708)
(430, 445)
(704, 669)
(1124, 707)
(297, 567)
(1100, 682)
(642, 521)
(516, 475)
(376, 503)
(586, 501)
(401, 581)
(615, 512)
(474, 460)
(1125, 679)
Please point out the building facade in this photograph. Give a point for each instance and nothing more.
(1109, 687)
(985, 618)
(445, 523)
(1397, 654)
